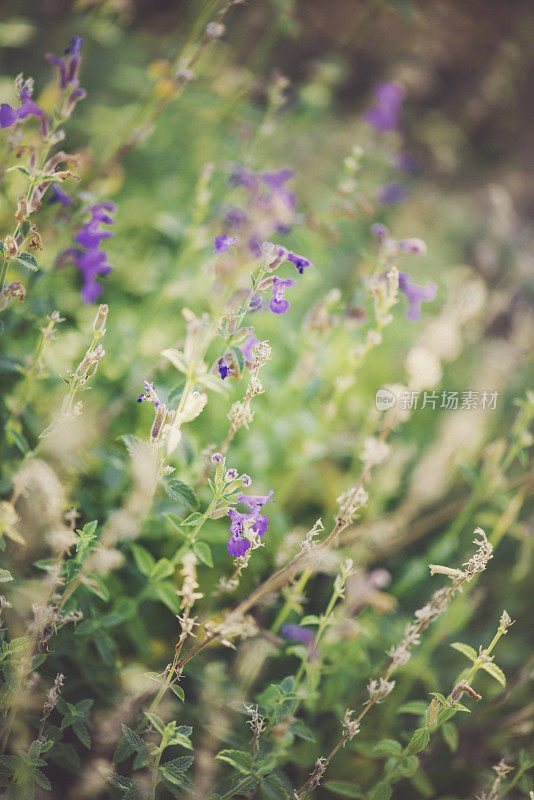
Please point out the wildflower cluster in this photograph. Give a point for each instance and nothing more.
(42, 169)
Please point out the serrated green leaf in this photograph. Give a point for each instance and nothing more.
(238, 759)
(27, 260)
(387, 747)
(181, 493)
(419, 740)
(468, 651)
(133, 738)
(382, 791)
(495, 672)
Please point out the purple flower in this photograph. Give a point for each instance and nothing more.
(92, 261)
(27, 108)
(299, 261)
(68, 68)
(392, 193)
(405, 162)
(275, 180)
(278, 304)
(248, 347)
(223, 242)
(235, 218)
(243, 177)
(224, 369)
(58, 195)
(416, 294)
(149, 394)
(383, 116)
(299, 634)
(237, 543)
(379, 230)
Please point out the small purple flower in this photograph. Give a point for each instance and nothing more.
(299, 634)
(224, 369)
(392, 193)
(238, 544)
(92, 261)
(248, 347)
(149, 394)
(223, 242)
(379, 230)
(58, 195)
(278, 304)
(27, 108)
(383, 116)
(68, 67)
(299, 261)
(416, 294)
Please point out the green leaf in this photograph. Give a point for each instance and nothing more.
(239, 358)
(422, 784)
(5, 576)
(272, 788)
(382, 791)
(344, 788)
(387, 747)
(41, 780)
(413, 707)
(419, 740)
(310, 619)
(450, 734)
(241, 761)
(80, 729)
(173, 771)
(166, 592)
(133, 738)
(495, 672)
(178, 691)
(300, 729)
(27, 260)
(19, 440)
(468, 651)
(161, 569)
(203, 552)
(181, 493)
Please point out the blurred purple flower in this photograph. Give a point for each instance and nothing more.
(383, 115)
(247, 348)
(58, 195)
(235, 218)
(416, 294)
(223, 242)
(405, 162)
(392, 193)
(299, 634)
(278, 304)
(68, 68)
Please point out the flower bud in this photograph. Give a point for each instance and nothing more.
(11, 248)
(100, 319)
(432, 711)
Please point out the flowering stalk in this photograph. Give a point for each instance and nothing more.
(380, 688)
